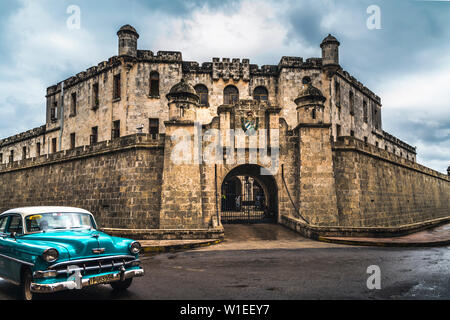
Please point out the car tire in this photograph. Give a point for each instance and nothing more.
(121, 285)
(25, 286)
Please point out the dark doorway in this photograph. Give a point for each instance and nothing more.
(249, 197)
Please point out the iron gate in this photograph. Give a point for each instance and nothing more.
(248, 206)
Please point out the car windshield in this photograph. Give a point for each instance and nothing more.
(58, 221)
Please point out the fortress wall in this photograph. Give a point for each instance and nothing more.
(119, 181)
(378, 189)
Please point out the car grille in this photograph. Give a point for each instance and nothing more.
(95, 265)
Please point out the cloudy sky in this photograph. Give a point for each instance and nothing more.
(406, 62)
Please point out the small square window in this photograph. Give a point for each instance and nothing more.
(154, 128)
(72, 141)
(54, 146)
(116, 129)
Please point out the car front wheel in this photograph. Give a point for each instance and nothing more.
(25, 287)
(121, 285)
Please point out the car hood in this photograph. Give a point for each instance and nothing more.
(81, 243)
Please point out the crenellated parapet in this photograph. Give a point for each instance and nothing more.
(195, 67)
(114, 62)
(399, 143)
(345, 75)
(161, 56)
(103, 66)
(134, 141)
(298, 62)
(23, 136)
(234, 69)
(353, 144)
(54, 90)
(266, 70)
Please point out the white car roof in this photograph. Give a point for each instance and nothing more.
(37, 210)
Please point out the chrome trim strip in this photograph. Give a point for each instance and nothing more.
(45, 274)
(17, 260)
(68, 285)
(71, 262)
(112, 265)
(10, 281)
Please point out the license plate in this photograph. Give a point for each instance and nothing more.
(101, 279)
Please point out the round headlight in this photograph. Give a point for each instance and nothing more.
(135, 247)
(50, 255)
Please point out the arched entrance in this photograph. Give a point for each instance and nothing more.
(249, 197)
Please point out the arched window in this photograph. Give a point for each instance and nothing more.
(230, 95)
(202, 92)
(306, 80)
(261, 94)
(154, 84)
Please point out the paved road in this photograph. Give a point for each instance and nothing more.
(286, 266)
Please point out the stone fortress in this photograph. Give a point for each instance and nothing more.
(108, 139)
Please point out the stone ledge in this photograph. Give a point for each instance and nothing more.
(314, 232)
(167, 234)
(345, 144)
(163, 246)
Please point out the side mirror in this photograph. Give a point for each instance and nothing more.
(13, 235)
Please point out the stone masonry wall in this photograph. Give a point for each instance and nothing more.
(119, 181)
(378, 189)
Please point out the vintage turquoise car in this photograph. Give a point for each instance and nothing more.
(49, 249)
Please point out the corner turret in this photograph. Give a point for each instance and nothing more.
(128, 38)
(330, 55)
(310, 104)
(183, 101)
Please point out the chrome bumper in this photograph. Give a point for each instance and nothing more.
(83, 282)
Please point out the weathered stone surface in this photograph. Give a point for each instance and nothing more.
(119, 183)
(359, 177)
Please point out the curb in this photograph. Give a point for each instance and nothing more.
(179, 247)
(385, 244)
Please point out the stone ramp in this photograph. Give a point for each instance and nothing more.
(439, 236)
(162, 246)
(257, 232)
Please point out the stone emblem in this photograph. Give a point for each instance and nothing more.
(250, 124)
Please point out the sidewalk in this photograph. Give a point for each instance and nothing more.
(439, 236)
(161, 246)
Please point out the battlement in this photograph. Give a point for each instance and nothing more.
(345, 75)
(54, 89)
(297, 62)
(266, 70)
(195, 67)
(115, 61)
(346, 143)
(93, 71)
(399, 142)
(161, 56)
(131, 141)
(234, 69)
(23, 136)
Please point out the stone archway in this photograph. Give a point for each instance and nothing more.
(247, 196)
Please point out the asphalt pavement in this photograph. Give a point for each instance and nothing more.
(272, 263)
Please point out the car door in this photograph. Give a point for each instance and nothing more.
(3, 221)
(12, 264)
